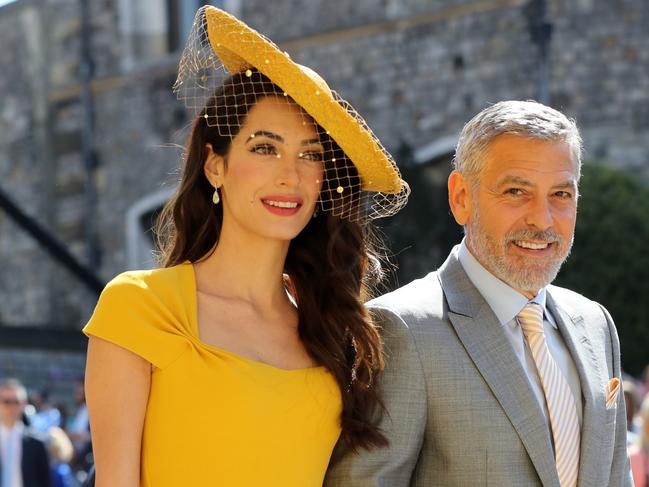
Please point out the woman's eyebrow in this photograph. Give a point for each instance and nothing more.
(279, 138)
(265, 133)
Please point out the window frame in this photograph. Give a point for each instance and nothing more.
(138, 248)
(130, 61)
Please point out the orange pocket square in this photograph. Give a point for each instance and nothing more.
(612, 391)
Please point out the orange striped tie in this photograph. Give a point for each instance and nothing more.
(558, 396)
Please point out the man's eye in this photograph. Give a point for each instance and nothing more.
(263, 149)
(564, 195)
(514, 191)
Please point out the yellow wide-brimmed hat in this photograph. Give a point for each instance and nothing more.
(237, 48)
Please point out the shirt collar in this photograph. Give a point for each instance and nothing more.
(17, 428)
(503, 299)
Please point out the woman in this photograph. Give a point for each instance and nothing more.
(245, 357)
(639, 451)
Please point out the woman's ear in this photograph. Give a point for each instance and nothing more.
(214, 167)
(459, 197)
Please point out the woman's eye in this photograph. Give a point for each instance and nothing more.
(264, 149)
(316, 156)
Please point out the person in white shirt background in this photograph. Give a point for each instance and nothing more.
(23, 456)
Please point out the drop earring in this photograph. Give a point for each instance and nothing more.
(215, 197)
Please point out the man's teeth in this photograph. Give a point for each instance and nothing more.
(531, 245)
(282, 204)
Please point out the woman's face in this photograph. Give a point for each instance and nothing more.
(271, 180)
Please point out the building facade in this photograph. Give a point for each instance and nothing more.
(91, 138)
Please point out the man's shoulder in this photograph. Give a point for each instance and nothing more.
(566, 294)
(33, 437)
(570, 299)
(421, 296)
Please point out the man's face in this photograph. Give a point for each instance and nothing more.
(521, 223)
(11, 406)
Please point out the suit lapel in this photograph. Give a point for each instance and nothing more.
(484, 340)
(574, 333)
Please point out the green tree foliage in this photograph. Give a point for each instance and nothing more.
(610, 259)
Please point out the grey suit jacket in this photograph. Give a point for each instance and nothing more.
(460, 409)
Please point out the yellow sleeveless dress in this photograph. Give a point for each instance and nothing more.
(215, 418)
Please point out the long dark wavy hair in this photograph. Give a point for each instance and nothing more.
(331, 266)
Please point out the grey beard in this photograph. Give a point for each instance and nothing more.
(492, 255)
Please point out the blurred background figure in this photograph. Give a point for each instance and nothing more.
(24, 461)
(630, 401)
(639, 450)
(46, 415)
(644, 386)
(78, 431)
(61, 452)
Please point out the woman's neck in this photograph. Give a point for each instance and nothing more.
(245, 268)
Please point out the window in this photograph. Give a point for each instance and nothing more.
(182, 14)
(154, 29)
(140, 220)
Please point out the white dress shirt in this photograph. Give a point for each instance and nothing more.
(506, 303)
(13, 436)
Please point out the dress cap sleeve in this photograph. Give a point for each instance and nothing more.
(142, 314)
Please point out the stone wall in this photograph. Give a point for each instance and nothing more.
(416, 70)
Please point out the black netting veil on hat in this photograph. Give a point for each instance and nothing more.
(227, 67)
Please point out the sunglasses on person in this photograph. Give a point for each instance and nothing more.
(9, 401)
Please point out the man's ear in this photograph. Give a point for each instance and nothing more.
(459, 197)
(214, 167)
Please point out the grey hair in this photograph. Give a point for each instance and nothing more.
(524, 118)
(16, 386)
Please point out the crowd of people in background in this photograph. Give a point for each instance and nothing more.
(636, 397)
(43, 443)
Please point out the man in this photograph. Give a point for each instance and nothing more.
(23, 457)
(493, 376)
